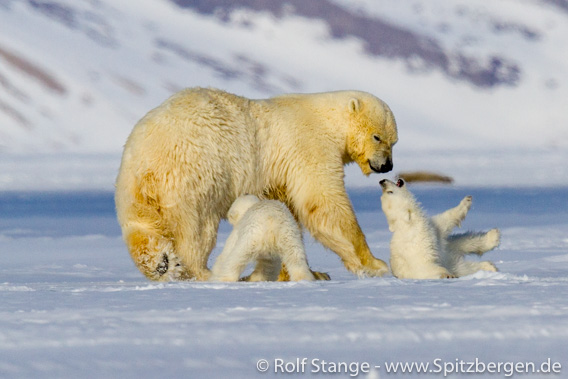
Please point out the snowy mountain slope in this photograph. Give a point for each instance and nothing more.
(76, 75)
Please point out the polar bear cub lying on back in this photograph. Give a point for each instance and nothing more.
(422, 248)
(266, 232)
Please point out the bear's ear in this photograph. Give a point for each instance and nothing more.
(354, 105)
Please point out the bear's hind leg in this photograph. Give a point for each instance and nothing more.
(293, 256)
(267, 269)
(448, 220)
(233, 260)
(153, 254)
(290, 249)
(463, 267)
(474, 243)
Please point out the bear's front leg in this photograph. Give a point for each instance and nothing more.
(330, 220)
(371, 266)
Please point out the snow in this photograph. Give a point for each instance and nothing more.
(74, 305)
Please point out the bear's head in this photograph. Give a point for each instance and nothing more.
(240, 207)
(399, 205)
(372, 133)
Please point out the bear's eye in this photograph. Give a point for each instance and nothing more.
(377, 138)
(390, 192)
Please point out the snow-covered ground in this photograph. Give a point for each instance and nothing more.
(74, 305)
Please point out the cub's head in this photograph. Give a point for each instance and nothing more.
(372, 133)
(399, 205)
(240, 207)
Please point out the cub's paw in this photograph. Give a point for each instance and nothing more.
(493, 238)
(464, 207)
(487, 266)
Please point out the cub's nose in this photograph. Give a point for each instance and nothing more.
(383, 182)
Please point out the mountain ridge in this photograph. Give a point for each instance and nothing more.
(75, 76)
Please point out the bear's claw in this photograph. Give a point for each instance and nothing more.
(321, 275)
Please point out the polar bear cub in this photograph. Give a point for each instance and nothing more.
(266, 232)
(422, 247)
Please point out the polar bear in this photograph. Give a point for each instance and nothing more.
(187, 160)
(266, 232)
(422, 248)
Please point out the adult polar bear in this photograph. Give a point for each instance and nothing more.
(187, 160)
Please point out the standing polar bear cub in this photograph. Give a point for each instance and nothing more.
(187, 160)
(266, 232)
(422, 248)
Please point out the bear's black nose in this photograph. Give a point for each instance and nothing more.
(387, 166)
(383, 182)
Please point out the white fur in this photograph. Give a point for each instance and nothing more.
(187, 160)
(266, 232)
(422, 247)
